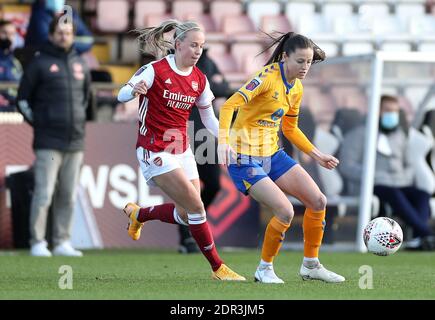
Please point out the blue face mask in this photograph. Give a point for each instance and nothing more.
(390, 120)
(54, 5)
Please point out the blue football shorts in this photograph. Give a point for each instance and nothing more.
(249, 169)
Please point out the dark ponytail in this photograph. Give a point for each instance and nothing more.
(288, 43)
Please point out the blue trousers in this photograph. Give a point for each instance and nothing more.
(409, 203)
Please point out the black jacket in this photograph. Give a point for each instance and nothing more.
(53, 97)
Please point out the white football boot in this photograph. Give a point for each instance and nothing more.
(266, 274)
(319, 272)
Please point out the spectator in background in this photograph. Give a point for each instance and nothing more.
(209, 171)
(10, 67)
(53, 97)
(43, 13)
(393, 174)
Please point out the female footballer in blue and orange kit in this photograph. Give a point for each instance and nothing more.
(259, 168)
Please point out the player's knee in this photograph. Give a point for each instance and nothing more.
(285, 213)
(319, 202)
(196, 206)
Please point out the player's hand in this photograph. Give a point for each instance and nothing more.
(226, 154)
(327, 161)
(139, 88)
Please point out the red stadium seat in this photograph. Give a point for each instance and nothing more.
(221, 8)
(247, 56)
(216, 48)
(239, 28)
(156, 20)
(147, 8)
(225, 62)
(112, 15)
(258, 9)
(205, 20)
(181, 8)
(273, 23)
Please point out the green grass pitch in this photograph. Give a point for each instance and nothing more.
(156, 275)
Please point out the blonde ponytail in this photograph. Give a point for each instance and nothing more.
(151, 40)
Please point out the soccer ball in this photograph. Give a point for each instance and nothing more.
(383, 236)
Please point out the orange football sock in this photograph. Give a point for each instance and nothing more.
(314, 226)
(273, 238)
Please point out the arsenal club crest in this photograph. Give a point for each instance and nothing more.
(158, 161)
(54, 68)
(195, 85)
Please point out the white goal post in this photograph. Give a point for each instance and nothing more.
(377, 62)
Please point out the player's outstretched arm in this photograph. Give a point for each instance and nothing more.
(209, 119)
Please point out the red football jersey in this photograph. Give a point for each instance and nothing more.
(164, 111)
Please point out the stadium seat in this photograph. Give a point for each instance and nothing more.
(221, 8)
(422, 27)
(404, 11)
(239, 28)
(181, 8)
(205, 20)
(121, 74)
(419, 145)
(145, 8)
(345, 119)
(321, 104)
(426, 46)
(228, 66)
(224, 60)
(331, 48)
(247, 56)
(90, 6)
(130, 51)
(331, 179)
(349, 97)
(112, 16)
(271, 23)
(258, 9)
(156, 20)
(388, 26)
(357, 48)
(351, 27)
(396, 46)
(216, 48)
(331, 11)
(373, 9)
(315, 26)
(416, 94)
(294, 10)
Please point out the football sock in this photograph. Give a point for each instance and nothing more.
(311, 262)
(200, 231)
(264, 264)
(273, 238)
(164, 212)
(313, 225)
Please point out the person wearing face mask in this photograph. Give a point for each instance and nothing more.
(394, 175)
(43, 12)
(53, 97)
(10, 67)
